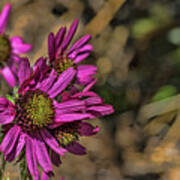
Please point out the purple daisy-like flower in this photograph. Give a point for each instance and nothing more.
(68, 135)
(61, 58)
(34, 124)
(10, 49)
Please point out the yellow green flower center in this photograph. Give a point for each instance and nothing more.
(5, 48)
(62, 64)
(34, 110)
(67, 133)
(66, 138)
(38, 108)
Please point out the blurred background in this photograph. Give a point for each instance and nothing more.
(137, 51)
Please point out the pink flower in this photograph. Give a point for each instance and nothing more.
(10, 49)
(68, 135)
(61, 57)
(35, 122)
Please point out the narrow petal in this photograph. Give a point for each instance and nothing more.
(55, 158)
(20, 145)
(42, 154)
(83, 94)
(41, 63)
(46, 176)
(59, 118)
(86, 69)
(31, 157)
(24, 70)
(47, 83)
(89, 86)
(70, 34)
(101, 110)
(87, 129)
(8, 76)
(81, 57)
(70, 106)
(63, 81)
(7, 111)
(9, 140)
(60, 36)
(52, 143)
(84, 80)
(18, 45)
(82, 50)
(4, 17)
(85, 74)
(51, 46)
(40, 69)
(76, 148)
(93, 100)
(6, 118)
(80, 43)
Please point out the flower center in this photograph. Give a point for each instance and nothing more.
(5, 48)
(34, 110)
(67, 133)
(62, 64)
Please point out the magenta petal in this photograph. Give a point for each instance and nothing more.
(76, 148)
(10, 139)
(80, 43)
(85, 74)
(93, 100)
(20, 145)
(45, 176)
(31, 157)
(87, 129)
(42, 154)
(83, 94)
(101, 110)
(59, 118)
(24, 70)
(47, 83)
(87, 48)
(40, 69)
(6, 118)
(5, 104)
(51, 46)
(81, 57)
(55, 158)
(59, 36)
(89, 86)
(70, 106)
(18, 45)
(8, 76)
(41, 64)
(63, 81)
(70, 34)
(7, 111)
(4, 17)
(52, 143)
(86, 69)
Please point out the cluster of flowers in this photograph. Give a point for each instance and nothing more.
(52, 99)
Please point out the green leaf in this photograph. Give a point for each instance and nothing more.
(10, 98)
(164, 92)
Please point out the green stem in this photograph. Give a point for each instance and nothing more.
(3, 166)
(24, 173)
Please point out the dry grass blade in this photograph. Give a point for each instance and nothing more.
(102, 19)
